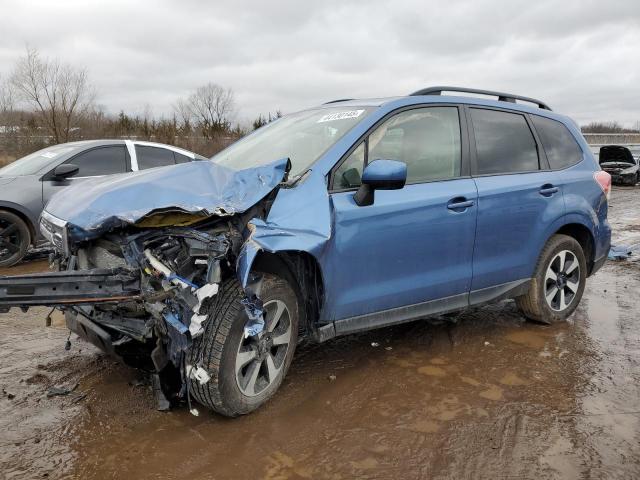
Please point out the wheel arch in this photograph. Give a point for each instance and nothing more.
(302, 271)
(583, 235)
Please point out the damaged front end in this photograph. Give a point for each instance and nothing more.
(140, 283)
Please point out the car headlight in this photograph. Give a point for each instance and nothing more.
(633, 169)
(55, 230)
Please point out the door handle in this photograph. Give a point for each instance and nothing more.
(459, 203)
(547, 190)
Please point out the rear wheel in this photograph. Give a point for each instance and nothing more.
(245, 372)
(558, 282)
(14, 239)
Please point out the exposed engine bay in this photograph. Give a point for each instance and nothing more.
(619, 162)
(143, 295)
(140, 284)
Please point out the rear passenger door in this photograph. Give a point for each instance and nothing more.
(517, 198)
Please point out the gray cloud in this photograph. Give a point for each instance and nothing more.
(579, 56)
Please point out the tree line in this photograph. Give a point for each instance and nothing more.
(44, 101)
(610, 127)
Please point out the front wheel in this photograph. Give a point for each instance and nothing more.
(558, 282)
(14, 239)
(245, 372)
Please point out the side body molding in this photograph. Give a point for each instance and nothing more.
(299, 220)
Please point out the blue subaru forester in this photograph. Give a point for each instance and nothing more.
(354, 215)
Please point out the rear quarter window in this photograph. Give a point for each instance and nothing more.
(560, 146)
(151, 157)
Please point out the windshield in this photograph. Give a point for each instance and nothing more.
(32, 164)
(302, 137)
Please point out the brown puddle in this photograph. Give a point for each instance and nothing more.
(528, 337)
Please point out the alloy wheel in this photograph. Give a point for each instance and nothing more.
(261, 358)
(562, 280)
(10, 239)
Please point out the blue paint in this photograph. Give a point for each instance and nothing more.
(510, 232)
(201, 188)
(406, 248)
(621, 252)
(183, 280)
(173, 320)
(299, 220)
(385, 171)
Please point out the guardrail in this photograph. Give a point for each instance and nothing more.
(612, 138)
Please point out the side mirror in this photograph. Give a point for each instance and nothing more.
(65, 170)
(380, 175)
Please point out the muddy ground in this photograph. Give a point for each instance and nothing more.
(489, 396)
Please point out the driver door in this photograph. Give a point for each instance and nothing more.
(413, 246)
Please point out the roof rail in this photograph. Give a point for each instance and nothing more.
(339, 100)
(502, 97)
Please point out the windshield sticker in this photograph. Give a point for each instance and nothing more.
(49, 154)
(340, 115)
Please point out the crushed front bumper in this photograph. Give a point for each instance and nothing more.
(78, 287)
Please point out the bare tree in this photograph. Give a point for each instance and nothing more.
(59, 93)
(6, 97)
(210, 107)
(183, 112)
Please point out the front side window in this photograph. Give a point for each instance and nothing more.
(301, 137)
(504, 142)
(151, 157)
(561, 148)
(101, 161)
(426, 139)
(349, 173)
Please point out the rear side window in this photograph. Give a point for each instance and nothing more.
(150, 157)
(504, 142)
(101, 161)
(561, 148)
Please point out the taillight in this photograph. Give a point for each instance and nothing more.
(603, 179)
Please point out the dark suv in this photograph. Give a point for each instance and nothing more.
(349, 216)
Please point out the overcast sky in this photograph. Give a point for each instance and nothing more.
(582, 57)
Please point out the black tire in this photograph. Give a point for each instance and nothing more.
(14, 239)
(218, 347)
(534, 305)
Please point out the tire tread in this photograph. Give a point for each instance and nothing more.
(209, 346)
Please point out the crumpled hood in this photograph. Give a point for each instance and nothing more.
(201, 188)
